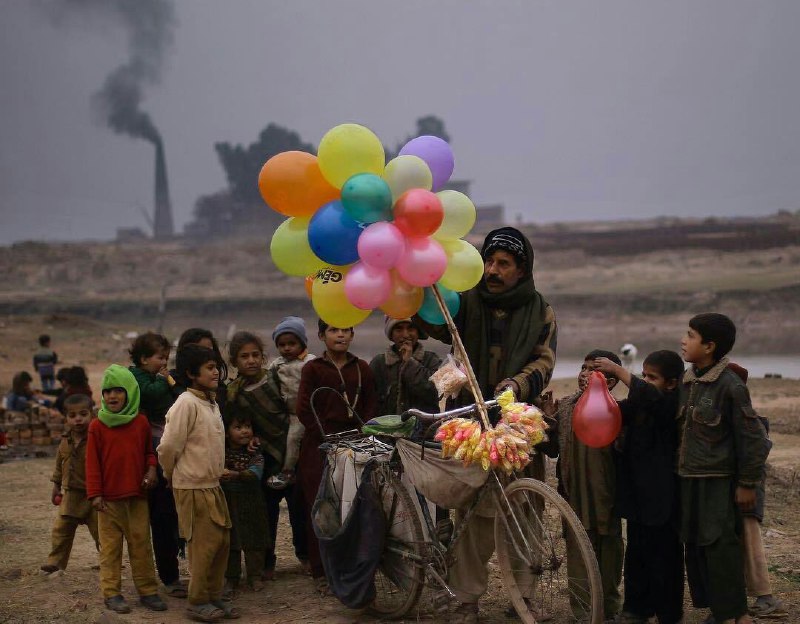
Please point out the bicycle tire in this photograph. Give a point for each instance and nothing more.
(531, 533)
(400, 576)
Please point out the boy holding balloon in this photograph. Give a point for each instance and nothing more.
(722, 450)
(587, 480)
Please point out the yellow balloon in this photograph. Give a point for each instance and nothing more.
(290, 250)
(407, 172)
(464, 266)
(459, 216)
(349, 149)
(329, 300)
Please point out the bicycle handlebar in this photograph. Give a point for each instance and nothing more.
(427, 418)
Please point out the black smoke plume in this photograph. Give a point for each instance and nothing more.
(149, 26)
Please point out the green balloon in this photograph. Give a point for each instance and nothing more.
(367, 198)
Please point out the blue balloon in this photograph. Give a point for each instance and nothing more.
(333, 234)
(429, 310)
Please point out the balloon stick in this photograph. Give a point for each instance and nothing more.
(462, 355)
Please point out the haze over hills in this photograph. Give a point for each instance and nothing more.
(607, 281)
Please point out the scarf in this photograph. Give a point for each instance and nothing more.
(259, 399)
(117, 376)
(526, 311)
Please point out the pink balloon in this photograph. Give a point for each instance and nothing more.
(423, 261)
(367, 287)
(380, 245)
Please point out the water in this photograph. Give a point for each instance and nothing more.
(788, 366)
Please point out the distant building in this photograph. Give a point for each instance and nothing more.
(130, 235)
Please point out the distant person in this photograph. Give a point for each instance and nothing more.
(723, 447)
(291, 342)
(22, 396)
(402, 372)
(756, 572)
(44, 363)
(73, 380)
(120, 469)
(647, 489)
(74, 508)
(355, 392)
(158, 390)
(192, 455)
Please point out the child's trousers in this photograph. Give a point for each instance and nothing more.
(206, 526)
(756, 573)
(64, 528)
(129, 519)
(654, 572)
(609, 550)
(297, 520)
(253, 562)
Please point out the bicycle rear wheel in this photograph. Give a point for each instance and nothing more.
(400, 576)
(534, 529)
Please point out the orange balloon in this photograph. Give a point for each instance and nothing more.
(404, 300)
(309, 282)
(292, 184)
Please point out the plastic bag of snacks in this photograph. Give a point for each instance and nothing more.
(507, 447)
(450, 378)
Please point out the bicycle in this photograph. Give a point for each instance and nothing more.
(532, 526)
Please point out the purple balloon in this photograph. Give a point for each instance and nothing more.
(437, 155)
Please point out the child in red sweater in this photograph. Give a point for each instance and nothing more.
(120, 467)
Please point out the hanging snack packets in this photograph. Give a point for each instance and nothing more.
(506, 447)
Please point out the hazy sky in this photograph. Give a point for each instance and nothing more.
(560, 110)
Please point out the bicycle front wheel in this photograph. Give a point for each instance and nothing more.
(546, 560)
(400, 575)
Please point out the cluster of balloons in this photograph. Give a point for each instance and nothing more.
(369, 234)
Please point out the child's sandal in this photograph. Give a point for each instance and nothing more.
(205, 612)
(231, 612)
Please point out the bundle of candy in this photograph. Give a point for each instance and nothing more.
(507, 447)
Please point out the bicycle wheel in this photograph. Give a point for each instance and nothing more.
(534, 530)
(400, 575)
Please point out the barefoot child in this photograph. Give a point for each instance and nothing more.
(192, 455)
(241, 482)
(120, 468)
(70, 473)
(721, 455)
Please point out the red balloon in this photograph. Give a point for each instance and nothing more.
(596, 419)
(418, 212)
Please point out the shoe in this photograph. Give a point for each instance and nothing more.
(205, 612)
(176, 590)
(230, 591)
(48, 569)
(465, 613)
(256, 585)
(231, 612)
(117, 604)
(540, 615)
(768, 607)
(153, 602)
(626, 617)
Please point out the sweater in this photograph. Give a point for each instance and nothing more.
(192, 449)
(117, 459)
(156, 396)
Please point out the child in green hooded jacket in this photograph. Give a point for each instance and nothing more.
(120, 468)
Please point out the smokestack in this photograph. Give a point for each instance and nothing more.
(162, 220)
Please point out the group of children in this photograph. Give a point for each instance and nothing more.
(687, 474)
(180, 457)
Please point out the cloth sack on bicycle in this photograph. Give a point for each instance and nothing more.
(350, 550)
(446, 482)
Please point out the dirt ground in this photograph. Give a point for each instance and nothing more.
(26, 513)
